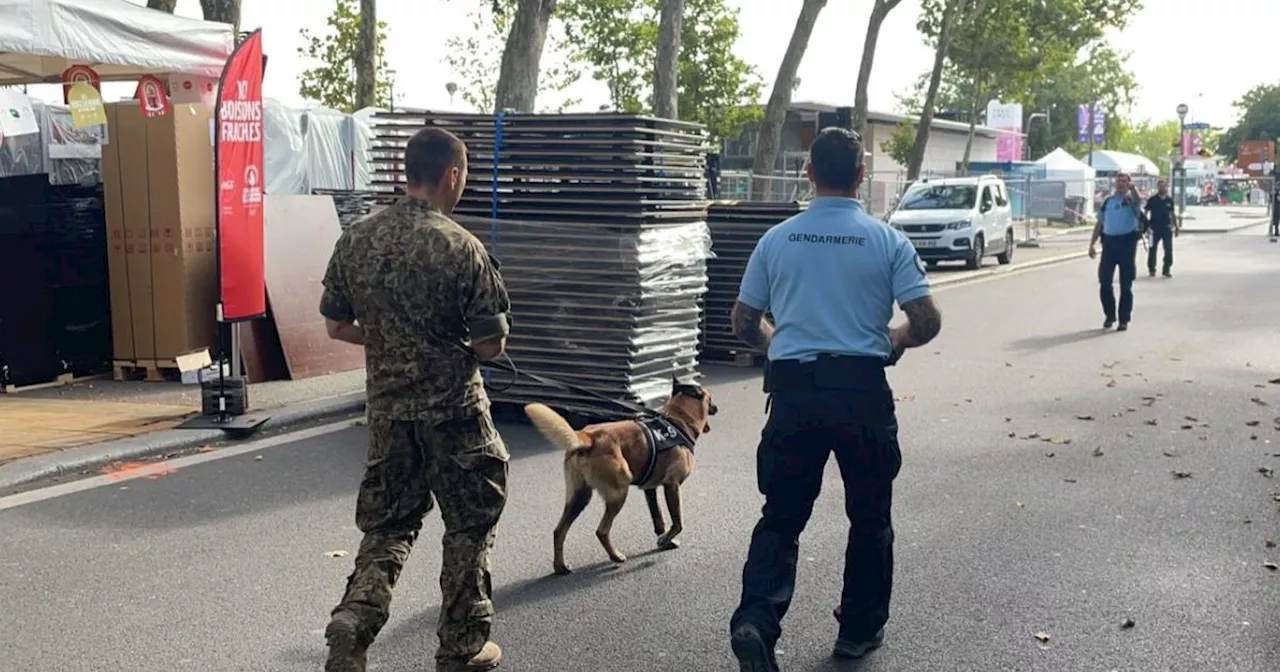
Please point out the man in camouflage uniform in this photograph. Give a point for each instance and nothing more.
(426, 301)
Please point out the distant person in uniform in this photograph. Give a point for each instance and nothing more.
(830, 277)
(1119, 227)
(420, 293)
(1164, 225)
(1275, 208)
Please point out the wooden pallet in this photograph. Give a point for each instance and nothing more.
(63, 379)
(149, 370)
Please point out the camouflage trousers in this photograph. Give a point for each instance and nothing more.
(463, 464)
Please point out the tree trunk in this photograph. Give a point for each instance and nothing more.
(222, 11)
(878, 14)
(769, 136)
(162, 5)
(522, 57)
(950, 17)
(666, 99)
(367, 56)
(973, 122)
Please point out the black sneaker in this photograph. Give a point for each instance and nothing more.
(1108, 323)
(751, 651)
(1167, 274)
(856, 649)
(1124, 326)
(1151, 273)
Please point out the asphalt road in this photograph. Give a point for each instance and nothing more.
(222, 565)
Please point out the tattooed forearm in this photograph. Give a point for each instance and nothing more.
(750, 326)
(924, 321)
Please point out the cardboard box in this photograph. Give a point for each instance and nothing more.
(161, 191)
(117, 261)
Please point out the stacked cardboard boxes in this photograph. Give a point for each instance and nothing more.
(158, 181)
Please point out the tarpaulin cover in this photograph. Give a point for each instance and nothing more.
(284, 151)
(121, 40)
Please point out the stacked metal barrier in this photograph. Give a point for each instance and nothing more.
(735, 227)
(598, 221)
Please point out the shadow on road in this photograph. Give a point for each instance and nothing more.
(1040, 343)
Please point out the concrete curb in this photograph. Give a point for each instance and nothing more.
(1230, 229)
(95, 455)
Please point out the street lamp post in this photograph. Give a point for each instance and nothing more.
(1181, 170)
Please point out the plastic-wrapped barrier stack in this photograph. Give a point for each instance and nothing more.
(599, 223)
(735, 227)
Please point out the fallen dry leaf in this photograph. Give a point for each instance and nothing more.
(1020, 505)
(1175, 359)
(1131, 410)
(1271, 566)
(205, 449)
(1274, 381)
(1069, 480)
(1008, 365)
(1267, 472)
(1269, 544)
(1097, 452)
(1259, 401)
(1127, 623)
(1013, 435)
(1084, 417)
(1170, 453)
(1056, 441)
(1111, 383)
(1252, 423)
(335, 554)
(1190, 418)
(1048, 454)
(1182, 474)
(1151, 421)
(1188, 427)
(1042, 637)
(1276, 497)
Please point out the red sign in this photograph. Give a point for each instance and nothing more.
(152, 98)
(77, 74)
(238, 157)
(1255, 156)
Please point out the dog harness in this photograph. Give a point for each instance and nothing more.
(660, 435)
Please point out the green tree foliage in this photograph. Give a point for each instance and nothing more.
(1000, 52)
(332, 82)
(1155, 141)
(1259, 119)
(900, 141)
(618, 39)
(476, 59)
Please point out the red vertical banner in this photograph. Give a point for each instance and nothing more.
(238, 160)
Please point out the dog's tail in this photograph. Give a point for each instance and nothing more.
(556, 429)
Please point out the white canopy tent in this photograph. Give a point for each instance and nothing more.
(1079, 178)
(1110, 162)
(120, 40)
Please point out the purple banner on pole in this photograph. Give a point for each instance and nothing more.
(1082, 123)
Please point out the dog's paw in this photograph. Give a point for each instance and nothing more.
(562, 570)
(668, 544)
(618, 558)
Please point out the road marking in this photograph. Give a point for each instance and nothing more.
(169, 466)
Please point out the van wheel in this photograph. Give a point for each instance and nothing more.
(1004, 258)
(974, 262)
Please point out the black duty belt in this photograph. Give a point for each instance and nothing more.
(827, 372)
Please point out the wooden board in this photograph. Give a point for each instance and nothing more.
(149, 370)
(300, 232)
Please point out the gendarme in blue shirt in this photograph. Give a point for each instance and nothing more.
(830, 276)
(1117, 218)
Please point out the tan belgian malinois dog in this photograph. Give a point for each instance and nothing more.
(613, 456)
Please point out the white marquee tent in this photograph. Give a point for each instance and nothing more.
(1108, 162)
(120, 40)
(1060, 166)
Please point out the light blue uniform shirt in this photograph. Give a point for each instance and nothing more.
(830, 276)
(1119, 219)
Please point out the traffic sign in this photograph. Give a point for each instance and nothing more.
(1197, 126)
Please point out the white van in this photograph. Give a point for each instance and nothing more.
(957, 219)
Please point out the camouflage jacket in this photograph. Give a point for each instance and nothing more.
(420, 286)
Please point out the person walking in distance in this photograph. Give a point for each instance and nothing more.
(1164, 224)
(1119, 229)
(830, 277)
(426, 301)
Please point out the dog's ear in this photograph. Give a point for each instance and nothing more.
(675, 384)
(706, 427)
